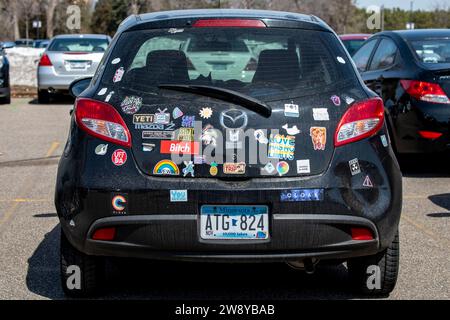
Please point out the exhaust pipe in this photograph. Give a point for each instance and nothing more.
(308, 265)
(51, 90)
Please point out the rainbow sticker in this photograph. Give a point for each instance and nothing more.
(166, 168)
(118, 203)
(282, 168)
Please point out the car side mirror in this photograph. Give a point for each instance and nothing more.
(78, 86)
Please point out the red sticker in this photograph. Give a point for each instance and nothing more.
(119, 157)
(177, 147)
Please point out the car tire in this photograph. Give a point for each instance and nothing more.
(43, 97)
(88, 269)
(6, 100)
(363, 271)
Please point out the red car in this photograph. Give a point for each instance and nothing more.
(353, 42)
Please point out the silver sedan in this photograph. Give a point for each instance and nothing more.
(67, 58)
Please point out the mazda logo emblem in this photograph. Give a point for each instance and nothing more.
(233, 119)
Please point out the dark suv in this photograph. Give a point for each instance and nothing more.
(5, 90)
(292, 163)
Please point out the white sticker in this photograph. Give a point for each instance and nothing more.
(118, 75)
(261, 137)
(355, 168)
(367, 182)
(206, 113)
(321, 114)
(175, 30)
(291, 110)
(102, 91)
(349, 100)
(341, 60)
(384, 141)
(109, 96)
(291, 131)
(303, 166)
(268, 169)
(101, 149)
(115, 61)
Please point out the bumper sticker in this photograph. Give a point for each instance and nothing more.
(119, 157)
(319, 137)
(178, 196)
(166, 168)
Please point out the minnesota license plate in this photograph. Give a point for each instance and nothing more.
(234, 222)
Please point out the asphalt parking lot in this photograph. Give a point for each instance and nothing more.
(32, 138)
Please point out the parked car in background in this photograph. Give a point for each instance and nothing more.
(9, 44)
(67, 58)
(353, 42)
(325, 185)
(410, 70)
(39, 44)
(5, 89)
(221, 58)
(26, 43)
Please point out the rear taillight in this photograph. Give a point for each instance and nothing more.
(425, 91)
(251, 65)
(45, 61)
(361, 234)
(240, 23)
(430, 135)
(101, 120)
(362, 120)
(104, 234)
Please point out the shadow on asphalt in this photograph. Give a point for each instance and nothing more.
(57, 99)
(144, 279)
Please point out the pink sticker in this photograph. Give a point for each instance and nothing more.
(119, 74)
(119, 157)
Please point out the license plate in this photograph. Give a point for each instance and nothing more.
(234, 222)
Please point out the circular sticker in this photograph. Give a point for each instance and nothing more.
(119, 157)
(282, 168)
(118, 203)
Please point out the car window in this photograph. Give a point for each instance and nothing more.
(353, 45)
(79, 45)
(432, 50)
(362, 56)
(384, 56)
(260, 63)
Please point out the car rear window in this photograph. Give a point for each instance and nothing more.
(432, 51)
(79, 45)
(264, 63)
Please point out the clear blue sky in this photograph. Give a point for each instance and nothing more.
(405, 4)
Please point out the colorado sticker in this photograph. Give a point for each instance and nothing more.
(166, 168)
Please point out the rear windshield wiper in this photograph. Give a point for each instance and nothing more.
(223, 94)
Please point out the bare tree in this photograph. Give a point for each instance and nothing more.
(50, 16)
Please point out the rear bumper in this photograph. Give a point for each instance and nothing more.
(175, 237)
(49, 79)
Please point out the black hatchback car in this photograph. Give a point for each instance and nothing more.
(197, 156)
(410, 70)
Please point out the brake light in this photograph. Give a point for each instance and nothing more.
(425, 91)
(431, 135)
(101, 120)
(360, 121)
(45, 61)
(242, 23)
(104, 234)
(361, 234)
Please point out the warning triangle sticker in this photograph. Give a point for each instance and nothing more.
(367, 182)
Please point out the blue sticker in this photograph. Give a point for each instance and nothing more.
(178, 196)
(301, 195)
